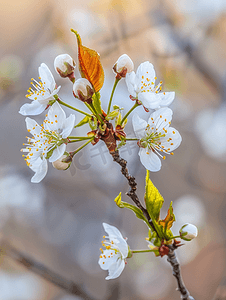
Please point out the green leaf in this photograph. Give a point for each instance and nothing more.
(96, 102)
(138, 212)
(154, 202)
(112, 115)
(83, 121)
(153, 199)
(118, 119)
(118, 200)
(93, 123)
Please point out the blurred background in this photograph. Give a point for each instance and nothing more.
(58, 222)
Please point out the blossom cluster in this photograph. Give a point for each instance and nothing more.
(154, 137)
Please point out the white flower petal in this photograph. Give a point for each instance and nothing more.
(57, 153)
(41, 171)
(130, 82)
(166, 98)
(105, 261)
(116, 269)
(47, 77)
(149, 99)
(150, 160)
(55, 118)
(33, 108)
(68, 126)
(175, 139)
(147, 70)
(112, 231)
(116, 236)
(162, 118)
(37, 97)
(139, 126)
(32, 126)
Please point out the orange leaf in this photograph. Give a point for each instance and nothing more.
(89, 64)
(167, 223)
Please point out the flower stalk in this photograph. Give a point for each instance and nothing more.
(128, 113)
(80, 148)
(112, 93)
(76, 109)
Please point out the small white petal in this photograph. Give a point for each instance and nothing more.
(112, 231)
(175, 139)
(32, 126)
(139, 126)
(161, 118)
(68, 126)
(47, 77)
(130, 82)
(166, 98)
(40, 172)
(105, 263)
(57, 153)
(149, 99)
(150, 161)
(147, 70)
(56, 113)
(33, 108)
(116, 236)
(116, 269)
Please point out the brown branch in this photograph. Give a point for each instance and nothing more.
(41, 270)
(172, 259)
(133, 185)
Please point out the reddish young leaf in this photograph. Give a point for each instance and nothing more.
(167, 223)
(89, 64)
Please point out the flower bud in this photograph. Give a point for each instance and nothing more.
(64, 65)
(63, 163)
(83, 90)
(188, 232)
(123, 65)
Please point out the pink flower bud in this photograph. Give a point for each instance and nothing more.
(83, 90)
(64, 65)
(123, 65)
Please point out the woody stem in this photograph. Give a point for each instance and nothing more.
(172, 259)
(133, 186)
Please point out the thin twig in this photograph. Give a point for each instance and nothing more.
(172, 259)
(133, 185)
(38, 268)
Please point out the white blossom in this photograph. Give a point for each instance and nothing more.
(123, 65)
(188, 232)
(156, 137)
(113, 257)
(40, 93)
(48, 141)
(141, 86)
